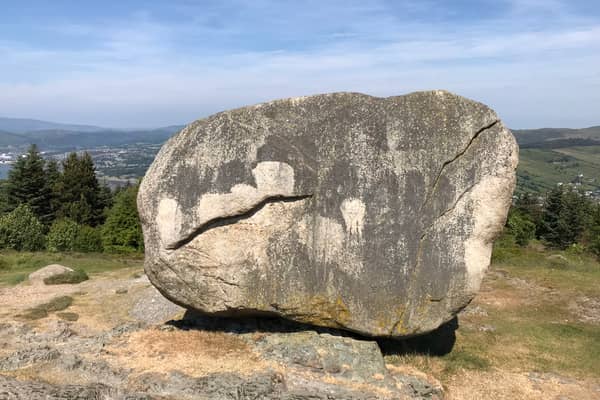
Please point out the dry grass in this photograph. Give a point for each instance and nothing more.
(196, 353)
(502, 385)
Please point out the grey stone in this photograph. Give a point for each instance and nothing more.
(14, 389)
(375, 215)
(352, 359)
(152, 308)
(37, 277)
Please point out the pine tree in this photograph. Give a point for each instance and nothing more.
(79, 191)
(573, 217)
(549, 228)
(27, 184)
(564, 218)
(527, 205)
(122, 230)
(52, 181)
(594, 230)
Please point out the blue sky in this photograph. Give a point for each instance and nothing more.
(148, 63)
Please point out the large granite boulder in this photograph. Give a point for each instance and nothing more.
(375, 215)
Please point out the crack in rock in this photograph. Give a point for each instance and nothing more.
(456, 157)
(232, 219)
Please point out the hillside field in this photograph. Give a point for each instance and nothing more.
(540, 169)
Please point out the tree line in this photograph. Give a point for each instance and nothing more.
(62, 206)
(565, 218)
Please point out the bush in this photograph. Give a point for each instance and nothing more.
(62, 236)
(67, 235)
(88, 240)
(21, 230)
(521, 228)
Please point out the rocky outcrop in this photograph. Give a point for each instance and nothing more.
(279, 360)
(49, 271)
(375, 215)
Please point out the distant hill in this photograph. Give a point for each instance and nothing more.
(552, 155)
(547, 156)
(24, 125)
(554, 138)
(50, 135)
(12, 139)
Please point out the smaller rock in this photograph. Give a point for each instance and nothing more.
(487, 328)
(153, 308)
(37, 277)
(558, 261)
(475, 311)
(121, 291)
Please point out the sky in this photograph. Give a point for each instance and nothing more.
(149, 63)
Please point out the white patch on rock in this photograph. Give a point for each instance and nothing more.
(168, 220)
(324, 238)
(490, 201)
(273, 178)
(353, 211)
(328, 241)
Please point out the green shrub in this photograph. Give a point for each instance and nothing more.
(521, 228)
(62, 236)
(21, 230)
(67, 235)
(88, 240)
(73, 277)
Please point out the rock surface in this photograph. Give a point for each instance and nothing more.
(375, 215)
(37, 277)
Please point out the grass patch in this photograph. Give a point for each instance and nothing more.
(464, 360)
(528, 305)
(69, 277)
(15, 279)
(569, 270)
(16, 266)
(56, 304)
(68, 316)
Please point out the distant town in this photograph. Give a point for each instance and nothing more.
(115, 165)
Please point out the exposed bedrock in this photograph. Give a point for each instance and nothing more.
(375, 215)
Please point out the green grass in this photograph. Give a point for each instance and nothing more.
(571, 270)
(68, 316)
(42, 311)
(16, 266)
(532, 326)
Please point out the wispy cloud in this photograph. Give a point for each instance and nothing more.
(535, 61)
